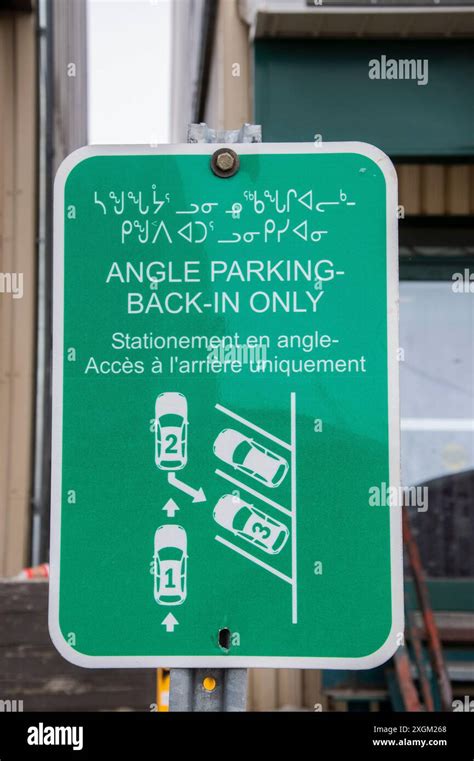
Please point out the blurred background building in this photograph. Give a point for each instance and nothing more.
(43, 117)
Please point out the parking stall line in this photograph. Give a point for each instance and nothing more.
(294, 558)
(254, 493)
(253, 559)
(253, 426)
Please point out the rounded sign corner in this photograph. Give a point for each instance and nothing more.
(385, 651)
(382, 161)
(66, 650)
(71, 161)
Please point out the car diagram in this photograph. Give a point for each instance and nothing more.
(249, 457)
(256, 460)
(169, 565)
(251, 524)
(243, 451)
(171, 431)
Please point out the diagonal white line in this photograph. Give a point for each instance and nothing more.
(253, 426)
(255, 493)
(253, 559)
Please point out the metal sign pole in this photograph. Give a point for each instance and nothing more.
(212, 689)
(208, 690)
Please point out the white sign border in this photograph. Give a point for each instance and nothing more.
(228, 661)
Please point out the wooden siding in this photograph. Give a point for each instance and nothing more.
(33, 671)
(17, 255)
(436, 189)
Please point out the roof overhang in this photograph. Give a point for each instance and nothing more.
(304, 18)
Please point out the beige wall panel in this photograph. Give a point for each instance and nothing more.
(263, 690)
(436, 189)
(17, 255)
(214, 110)
(433, 189)
(290, 688)
(23, 327)
(272, 689)
(457, 189)
(6, 266)
(313, 689)
(409, 187)
(237, 108)
(229, 96)
(471, 192)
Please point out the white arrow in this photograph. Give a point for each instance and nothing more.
(171, 508)
(197, 494)
(170, 622)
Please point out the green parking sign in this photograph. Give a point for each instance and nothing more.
(225, 407)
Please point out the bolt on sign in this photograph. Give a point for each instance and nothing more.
(225, 407)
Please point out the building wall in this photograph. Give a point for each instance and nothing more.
(436, 189)
(428, 189)
(21, 252)
(342, 95)
(17, 255)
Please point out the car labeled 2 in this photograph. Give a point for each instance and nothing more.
(171, 431)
